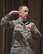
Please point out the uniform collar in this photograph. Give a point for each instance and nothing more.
(20, 21)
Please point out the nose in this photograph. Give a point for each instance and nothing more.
(27, 13)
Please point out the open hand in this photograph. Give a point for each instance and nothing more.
(29, 26)
(14, 12)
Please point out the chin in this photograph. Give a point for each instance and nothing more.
(25, 18)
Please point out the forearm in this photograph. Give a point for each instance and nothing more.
(7, 17)
(36, 32)
(5, 21)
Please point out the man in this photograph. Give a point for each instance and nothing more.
(23, 31)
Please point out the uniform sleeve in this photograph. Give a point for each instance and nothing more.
(35, 32)
(6, 22)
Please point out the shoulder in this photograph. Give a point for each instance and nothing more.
(15, 21)
(32, 23)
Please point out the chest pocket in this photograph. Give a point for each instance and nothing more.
(18, 27)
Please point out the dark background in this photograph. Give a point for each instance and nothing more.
(36, 15)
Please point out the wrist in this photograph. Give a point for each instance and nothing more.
(10, 13)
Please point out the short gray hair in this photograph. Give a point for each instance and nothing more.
(22, 7)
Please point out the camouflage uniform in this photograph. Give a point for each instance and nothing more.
(22, 37)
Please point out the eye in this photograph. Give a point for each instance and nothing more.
(26, 11)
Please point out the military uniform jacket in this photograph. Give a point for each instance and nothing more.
(22, 37)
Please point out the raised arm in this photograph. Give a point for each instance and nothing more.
(6, 20)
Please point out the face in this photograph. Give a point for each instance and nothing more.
(24, 13)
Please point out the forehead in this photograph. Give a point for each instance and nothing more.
(24, 8)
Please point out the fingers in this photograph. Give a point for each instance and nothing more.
(14, 12)
(29, 26)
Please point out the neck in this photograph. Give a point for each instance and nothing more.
(22, 19)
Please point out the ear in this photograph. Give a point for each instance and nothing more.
(20, 13)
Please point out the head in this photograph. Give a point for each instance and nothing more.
(24, 12)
